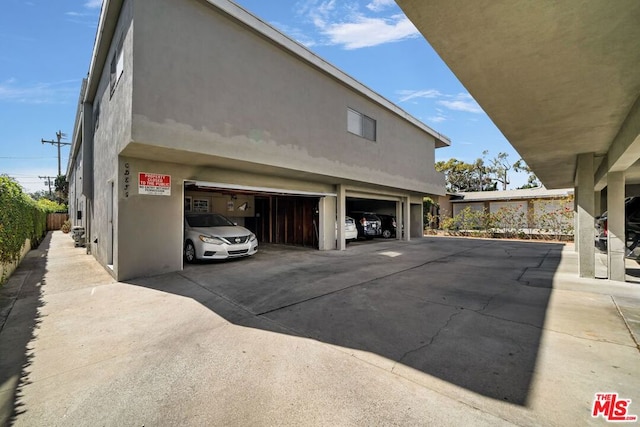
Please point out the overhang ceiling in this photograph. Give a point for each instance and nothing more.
(558, 78)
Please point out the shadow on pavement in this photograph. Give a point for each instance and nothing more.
(20, 304)
(457, 309)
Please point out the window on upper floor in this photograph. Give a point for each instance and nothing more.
(117, 65)
(361, 125)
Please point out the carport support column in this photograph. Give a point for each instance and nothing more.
(615, 224)
(327, 226)
(406, 219)
(341, 202)
(585, 201)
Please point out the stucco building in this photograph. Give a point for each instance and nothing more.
(201, 106)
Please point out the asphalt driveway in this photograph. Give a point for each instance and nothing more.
(433, 331)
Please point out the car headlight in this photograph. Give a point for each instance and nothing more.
(210, 239)
(252, 238)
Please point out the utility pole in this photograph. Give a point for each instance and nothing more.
(47, 182)
(59, 136)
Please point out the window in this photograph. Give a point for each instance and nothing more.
(117, 65)
(361, 125)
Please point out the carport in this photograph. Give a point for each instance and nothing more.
(298, 217)
(380, 205)
(275, 215)
(560, 80)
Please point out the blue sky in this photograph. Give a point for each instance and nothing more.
(45, 51)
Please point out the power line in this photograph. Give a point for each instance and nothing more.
(59, 136)
(48, 181)
(21, 157)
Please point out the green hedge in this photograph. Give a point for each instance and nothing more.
(21, 218)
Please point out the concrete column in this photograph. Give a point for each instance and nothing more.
(417, 220)
(327, 227)
(576, 229)
(597, 203)
(615, 224)
(399, 220)
(341, 202)
(406, 220)
(586, 233)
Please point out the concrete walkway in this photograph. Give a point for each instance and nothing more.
(438, 331)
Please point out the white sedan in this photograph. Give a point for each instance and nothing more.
(213, 236)
(350, 229)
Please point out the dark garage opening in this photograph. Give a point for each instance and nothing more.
(290, 220)
(277, 218)
(355, 204)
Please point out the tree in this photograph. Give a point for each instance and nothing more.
(483, 175)
(62, 189)
(532, 179)
(42, 194)
(499, 168)
(460, 176)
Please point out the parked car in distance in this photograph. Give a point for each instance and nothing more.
(350, 229)
(632, 226)
(214, 236)
(388, 225)
(368, 224)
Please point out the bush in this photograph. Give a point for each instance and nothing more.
(49, 206)
(20, 218)
(550, 219)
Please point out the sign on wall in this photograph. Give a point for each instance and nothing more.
(154, 184)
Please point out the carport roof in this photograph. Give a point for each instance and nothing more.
(534, 193)
(558, 78)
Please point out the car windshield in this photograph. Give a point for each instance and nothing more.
(208, 220)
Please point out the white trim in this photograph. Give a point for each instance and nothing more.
(373, 196)
(227, 186)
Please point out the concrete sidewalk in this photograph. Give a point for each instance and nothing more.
(312, 338)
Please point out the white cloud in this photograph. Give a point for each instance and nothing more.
(406, 95)
(378, 5)
(347, 24)
(38, 93)
(436, 119)
(295, 33)
(462, 102)
(93, 4)
(367, 32)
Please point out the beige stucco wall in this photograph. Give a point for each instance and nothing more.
(113, 131)
(206, 84)
(204, 98)
(152, 225)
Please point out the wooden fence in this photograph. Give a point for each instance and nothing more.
(55, 220)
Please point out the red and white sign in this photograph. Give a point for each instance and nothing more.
(612, 408)
(154, 184)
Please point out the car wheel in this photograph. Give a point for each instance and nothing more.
(189, 252)
(386, 233)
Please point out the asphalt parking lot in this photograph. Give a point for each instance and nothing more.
(433, 331)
